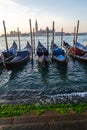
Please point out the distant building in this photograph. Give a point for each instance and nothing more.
(42, 32)
(59, 33)
(14, 33)
(36, 26)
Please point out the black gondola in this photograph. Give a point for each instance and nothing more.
(42, 54)
(8, 55)
(21, 58)
(59, 55)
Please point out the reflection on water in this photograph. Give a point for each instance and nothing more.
(16, 71)
(44, 84)
(62, 71)
(1, 70)
(44, 71)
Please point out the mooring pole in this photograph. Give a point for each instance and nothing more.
(34, 39)
(61, 37)
(48, 39)
(19, 38)
(53, 39)
(5, 36)
(31, 38)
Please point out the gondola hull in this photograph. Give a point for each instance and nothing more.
(79, 58)
(59, 55)
(17, 64)
(59, 60)
(20, 59)
(8, 55)
(78, 53)
(43, 59)
(42, 54)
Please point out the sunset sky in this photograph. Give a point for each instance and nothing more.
(65, 13)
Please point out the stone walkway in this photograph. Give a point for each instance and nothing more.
(48, 121)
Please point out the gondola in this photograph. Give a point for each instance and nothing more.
(66, 45)
(8, 54)
(81, 47)
(59, 55)
(42, 54)
(79, 52)
(28, 47)
(20, 59)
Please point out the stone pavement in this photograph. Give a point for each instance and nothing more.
(49, 121)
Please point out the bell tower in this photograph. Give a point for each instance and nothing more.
(36, 26)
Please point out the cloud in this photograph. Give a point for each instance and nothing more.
(16, 14)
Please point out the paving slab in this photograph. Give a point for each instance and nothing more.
(50, 121)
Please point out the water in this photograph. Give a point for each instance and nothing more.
(44, 85)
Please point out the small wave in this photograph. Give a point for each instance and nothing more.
(33, 97)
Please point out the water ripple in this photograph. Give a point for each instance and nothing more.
(50, 84)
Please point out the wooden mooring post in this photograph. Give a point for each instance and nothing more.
(77, 31)
(61, 37)
(53, 39)
(34, 39)
(5, 36)
(31, 38)
(74, 38)
(19, 38)
(48, 39)
(74, 43)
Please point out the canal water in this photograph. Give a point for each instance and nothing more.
(44, 84)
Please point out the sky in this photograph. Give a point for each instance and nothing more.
(65, 13)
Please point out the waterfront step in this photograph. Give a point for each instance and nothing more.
(50, 121)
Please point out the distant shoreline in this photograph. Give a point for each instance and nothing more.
(27, 34)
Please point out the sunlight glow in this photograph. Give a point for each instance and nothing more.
(17, 13)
